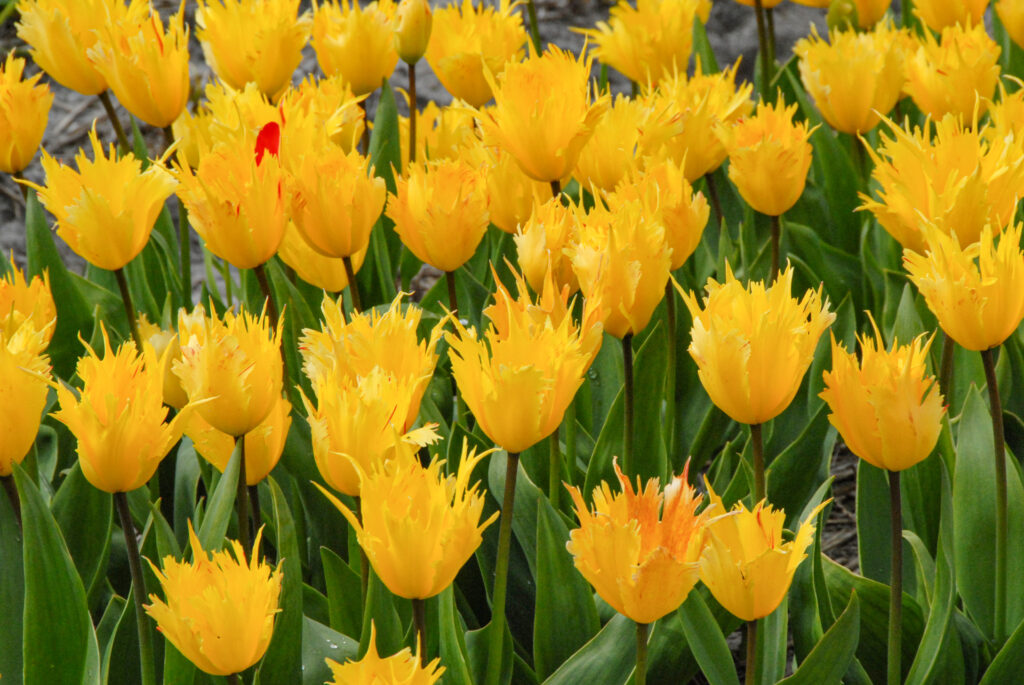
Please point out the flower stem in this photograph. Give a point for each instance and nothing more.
(762, 40)
(364, 561)
(627, 405)
(496, 639)
(108, 106)
(365, 142)
(709, 181)
(12, 496)
(569, 421)
(670, 370)
(640, 674)
(419, 619)
(225, 271)
(18, 176)
(257, 515)
(261, 277)
(760, 492)
(769, 19)
(554, 468)
(129, 308)
(412, 116)
(531, 11)
(946, 368)
(776, 237)
(895, 581)
(138, 589)
(233, 679)
(999, 440)
(751, 666)
(185, 253)
(242, 500)
(453, 297)
(353, 286)
(556, 188)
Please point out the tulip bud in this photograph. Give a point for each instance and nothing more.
(24, 109)
(412, 29)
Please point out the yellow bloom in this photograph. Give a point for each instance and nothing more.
(333, 107)
(469, 41)
(978, 303)
(542, 240)
(543, 114)
(650, 40)
(235, 198)
(326, 273)
(854, 78)
(512, 193)
(60, 34)
(1011, 15)
(753, 345)
(356, 42)
(614, 148)
(418, 525)
(622, 261)
(441, 133)
(219, 611)
(440, 211)
(224, 117)
(954, 75)
(862, 14)
(939, 14)
(232, 365)
(640, 549)
(769, 156)
(746, 565)
(403, 667)
(519, 383)
(146, 65)
(118, 417)
(412, 29)
(253, 42)
(24, 372)
(959, 179)
(22, 301)
(167, 350)
(886, 407)
(24, 110)
(1006, 117)
(106, 209)
(263, 444)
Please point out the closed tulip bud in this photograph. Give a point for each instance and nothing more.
(24, 377)
(939, 14)
(106, 209)
(977, 291)
(543, 113)
(230, 367)
(441, 133)
(753, 345)
(854, 78)
(326, 273)
(747, 566)
(253, 42)
(440, 211)
(769, 156)
(1011, 16)
(214, 596)
(470, 41)
(412, 29)
(31, 301)
(118, 417)
(864, 14)
(146, 65)
(649, 41)
(403, 667)
(167, 350)
(954, 75)
(355, 42)
(24, 110)
(541, 242)
(886, 407)
(640, 549)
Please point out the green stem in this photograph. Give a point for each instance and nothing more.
(18, 176)
(233, 679)
(496, 640)
(895, 581)
(185, 253)
(365, 142)
(776, 238)
(353, 285)
(453, 297)
(12, 495)
(554, 468)
(261, 277)
(946, 368)
(257, 515)
(242, 500)
(129, 308)
(762, 40)
(412, 115)
(758, 445)
(751, 666)
(709, 180)
(138, 590)
(569, 421)
(640, 675)
(670, 370)
(531, 11)
(627, 404)
(122, 139)
(769, 18)
(419, 619)
(225, 270)
(999, 440)
(364, 561)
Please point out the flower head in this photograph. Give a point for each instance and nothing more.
(167, 350)
(441, 133)
(542, 240)
(1011, 16)
(24, 374)
(356, 42)
(22, 301)
(754, 344)
(640, 549)
(219, 610)
(938, 14)
(615, 149)
(326, 273)
(403, 667)
(862, 14)
(413, 20)
(511, 194)
(955, 74)
(24, 110)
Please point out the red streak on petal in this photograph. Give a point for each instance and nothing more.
(268, 140)
(157, 30)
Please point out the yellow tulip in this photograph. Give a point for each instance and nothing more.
(441, 133)
(326, 273)
(543, 113)
(960, 179)
(622, 261)
(886, 407)
(24, 374)
(253, 42)
(219, 611)
(519, 383)
(356, 42)
(231, 367)
(977, 291)
(106, 209)
(146, 65)
(640, 549)
(512, 194)
(939, 14)
(769, 156)
(955, 74)
(403, 667)
(413, 20)
(854, 78)
(418, 526)
(333, 107)
(753, 345)
(1006, 117)
(263, 444)
(22, 301)
(24, 110)
(440, 211)
(225, 116)
(767, 4)
(167, 350)
(653, 39)
(746, 565)
(1011, 16)
(118, 417)
(542, 240)
(614, 148)
(469, 41)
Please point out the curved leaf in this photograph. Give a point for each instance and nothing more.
(832, 656)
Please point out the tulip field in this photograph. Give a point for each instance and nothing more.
(545, 384)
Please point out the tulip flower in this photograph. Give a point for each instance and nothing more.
(24, 374)
(614, 148)
(326, 273)
(1011, 16)
(223, 117)
(146, 65)
(355, 42)
(441, 133)
(403, 667)
(470, 41)
(253, 42)
(512, 194)
(956, 74)
(24, 110)
(940, 14)
(862, 14)
(219, 610)
(30, 301)
(331, 104)
(541, 243)
(413, 20)
(167, 350)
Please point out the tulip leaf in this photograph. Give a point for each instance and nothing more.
(773, 632)
(12, 590)
(833, 655)
(702, 49)
(800, 468)
(873, 544)
(1005, 668)
(86, 518)
(344, 601)
(565, 616)
(380, 612)
(106, 631)
(839, 271)
(178, 670)
(320, 642)
(707, 642)
(931, 650)
(283, 660)
(59, 643)
(452, 641)
(608, 658)
(221, 505)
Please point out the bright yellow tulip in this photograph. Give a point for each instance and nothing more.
(512, 194)
(542, 240)
(332, 106)
(954, 75)
(939, 14)
(326, 273)
(413, 20)
(403, 667)
(22, 301)
(1011, 15)
(24, 110)
(614, 148)
(167, 350)
(356, 42)
(441, 133)
(24, 375)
